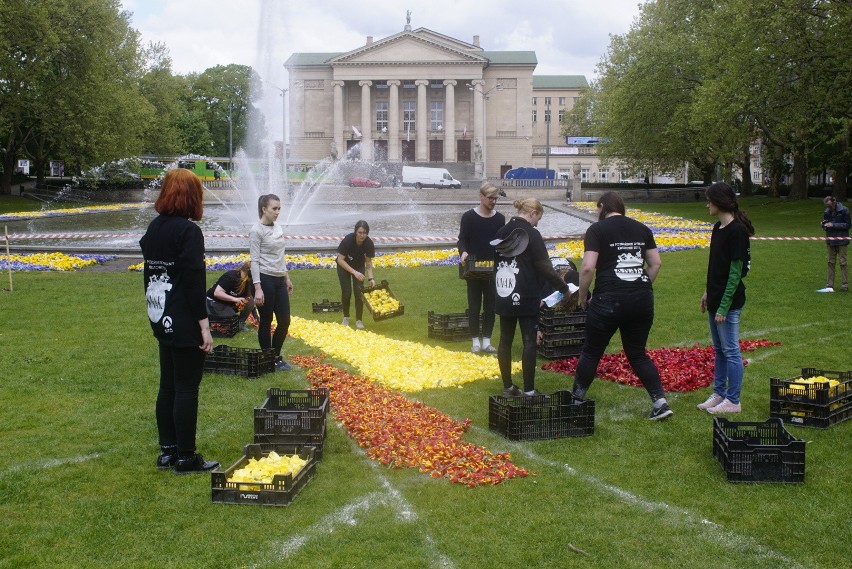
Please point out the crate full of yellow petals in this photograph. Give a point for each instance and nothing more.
(266, 475)
(381, 302)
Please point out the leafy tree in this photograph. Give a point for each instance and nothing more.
(168, 94)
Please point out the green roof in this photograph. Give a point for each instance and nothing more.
(511, 57)
(560, 82)
(311, 58)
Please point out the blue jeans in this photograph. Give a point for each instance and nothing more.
(728, 371)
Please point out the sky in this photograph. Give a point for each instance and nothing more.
(568, 36)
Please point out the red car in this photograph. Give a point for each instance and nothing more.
(359, 182)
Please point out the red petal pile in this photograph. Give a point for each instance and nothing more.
(402, 433)
(681, 369)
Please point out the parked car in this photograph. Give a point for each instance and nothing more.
(361, 182)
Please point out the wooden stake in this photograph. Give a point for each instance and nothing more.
(9, 257)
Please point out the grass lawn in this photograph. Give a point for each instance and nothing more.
(79, 488)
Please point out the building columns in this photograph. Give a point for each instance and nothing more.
(394, 126)
(478, 125)
(450, 121)
(338, 145)
(422, 131)
(366, 121)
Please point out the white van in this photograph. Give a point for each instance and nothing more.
(428, 178)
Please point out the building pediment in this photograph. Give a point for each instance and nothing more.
(420, 47)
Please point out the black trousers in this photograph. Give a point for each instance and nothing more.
(177, 401)
(276, 300)
(348, 285)
(528, 326)
(481, 295)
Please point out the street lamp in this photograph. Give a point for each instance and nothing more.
(497, 87)
(548, 118)
(284, 129)
(230, 137)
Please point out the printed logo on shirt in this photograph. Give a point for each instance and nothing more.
(155, 294)
(167, 324)
(629, 267)
(506, 278)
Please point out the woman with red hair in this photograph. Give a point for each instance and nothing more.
(175, 288)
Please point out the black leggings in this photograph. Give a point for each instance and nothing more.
(481, 295)
(504, 351)
(348, 283)
(276, 300)
(177, 400)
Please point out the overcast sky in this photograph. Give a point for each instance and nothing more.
(569, 37)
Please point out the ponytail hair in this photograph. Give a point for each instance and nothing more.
(245, 278)
(723, 197)
(528, 205)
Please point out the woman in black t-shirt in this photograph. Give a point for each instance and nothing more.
(232, 295)
(724, 296)
(354, 265)
(622, 255)
(174, 279)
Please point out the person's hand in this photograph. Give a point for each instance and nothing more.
(703, 303)
(359, 276)
(258, 297)
(462, 258)
(289, 286)
(720, 318)
(828, 224)
(583, 302)
(539, 336)
(206, 340)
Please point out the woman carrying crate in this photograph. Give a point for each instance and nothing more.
(355, 265)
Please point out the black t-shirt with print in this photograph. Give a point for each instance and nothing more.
(230, 283)
(620, 243)
(729, 243)
(356, 255)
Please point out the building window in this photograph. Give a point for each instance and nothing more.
(535, 101)
(547, 115)
(562, 115)
(547, 100)
(604, 175)
(381, 116)
(625, 176)
(436, 83)
(584, 174)
(436, 115)
(408, 84)
(380, 84)
(409, 112)
(534, 115)
(562, 101)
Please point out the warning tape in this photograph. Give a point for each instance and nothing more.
(379, 238)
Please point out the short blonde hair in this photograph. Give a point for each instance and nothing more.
(528, 205)
(489, 190)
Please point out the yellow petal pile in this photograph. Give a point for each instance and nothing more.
(381, 302)
(265, 469)
(397, 364)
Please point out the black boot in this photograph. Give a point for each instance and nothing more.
(194, 464)
(168, 457)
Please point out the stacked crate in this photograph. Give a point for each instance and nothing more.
(563, 333)
(805, 404)
(247, 362)
(758, 452)
(293, 417)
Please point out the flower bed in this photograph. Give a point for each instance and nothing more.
(407, 434)
(51, 261)
(681, 369)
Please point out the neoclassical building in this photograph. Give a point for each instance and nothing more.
(422, 97)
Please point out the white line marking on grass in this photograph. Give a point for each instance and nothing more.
(52, 463)
(678, 517)
(349, 514)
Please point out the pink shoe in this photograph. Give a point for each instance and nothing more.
(711, 401)
(725, 407)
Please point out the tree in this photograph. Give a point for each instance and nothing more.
(70, 88)
(168, 94)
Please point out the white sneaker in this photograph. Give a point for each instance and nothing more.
(359, 324)
(711, 401)
(725, 407)
(826, 289)
(346, 321)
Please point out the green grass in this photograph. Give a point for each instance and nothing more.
(79, 378)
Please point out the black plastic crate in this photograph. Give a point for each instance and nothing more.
(315, 440)
(551, 317)
(247, 362)
(327, 306)
(813, 393)
(382, 315)
(810, 415)
(449, 327)
(292, 412)
(280, 492)
(562, 339)
(758, 452)
(474, 268)
(541, 417)
(226, 327)
(453, 335)
(559, 352)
